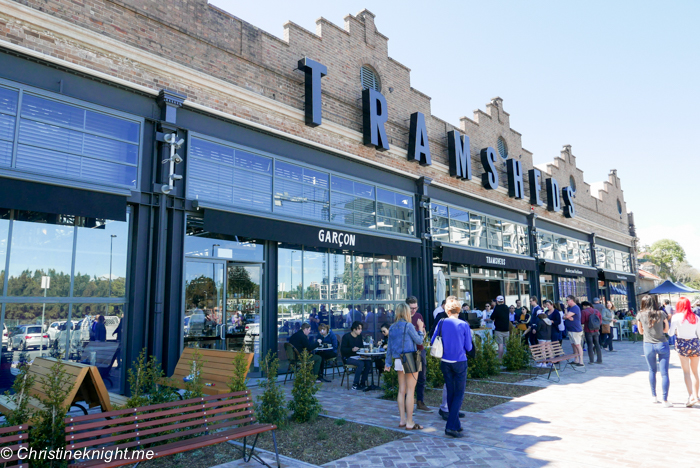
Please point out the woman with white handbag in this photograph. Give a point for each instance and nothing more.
(451, 342)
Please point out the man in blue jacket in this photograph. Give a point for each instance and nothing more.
(456, 343)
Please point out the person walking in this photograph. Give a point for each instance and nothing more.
(403, 338)
(456, 339)
(653, 325)
(500, 317)
(416, 317)
(572, 323)
(592, 321)
(668, 308)
(685, 325)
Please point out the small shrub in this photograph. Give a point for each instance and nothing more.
(322, 435)
(516, 355)
(271, 408)
(340, 422)
(433, 375)
(485, 363)
(390, 385)
(304, 405)
(23, 382)
(194, 388)
(238, 380)
(48, 429)
(143, 378)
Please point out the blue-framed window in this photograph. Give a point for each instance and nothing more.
(563, 249)
(237, 177)
(61, 138)
(613, 259)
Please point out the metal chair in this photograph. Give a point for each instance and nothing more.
(346, 369)
(294, 361)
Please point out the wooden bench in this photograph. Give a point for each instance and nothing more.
(217, 369)
(87, 385)
(161, 428)
(558, 356)
(551, 355)
(14, 438)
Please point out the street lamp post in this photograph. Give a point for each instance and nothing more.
(111, 239)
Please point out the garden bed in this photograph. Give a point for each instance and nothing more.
(471, 403)
(317, 442)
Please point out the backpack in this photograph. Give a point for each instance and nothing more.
(593, 322)
(561, 325)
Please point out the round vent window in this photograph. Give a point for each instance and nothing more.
(369, 78)
(502, 148)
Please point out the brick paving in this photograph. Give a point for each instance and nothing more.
(601, 418)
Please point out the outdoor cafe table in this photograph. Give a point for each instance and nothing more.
(372, 355)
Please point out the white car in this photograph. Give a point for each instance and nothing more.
(54, 328)
(4, 335)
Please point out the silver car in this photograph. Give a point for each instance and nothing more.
(28, 336)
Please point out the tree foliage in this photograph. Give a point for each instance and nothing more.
(304, 405)
(271, 407)
(667, 254)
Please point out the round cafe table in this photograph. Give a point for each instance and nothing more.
(372, 355)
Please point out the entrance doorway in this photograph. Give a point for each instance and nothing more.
(223, 306)
(485, 291)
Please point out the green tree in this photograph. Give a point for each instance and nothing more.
(667, 254)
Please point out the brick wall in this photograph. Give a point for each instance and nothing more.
(210, 43)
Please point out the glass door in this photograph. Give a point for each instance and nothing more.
(204, 301)
(243, 309)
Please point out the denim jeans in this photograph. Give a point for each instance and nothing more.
(362, 370)
(455, 374)
(593, 342)
(420, 384)
(606, 340)
(651, 351)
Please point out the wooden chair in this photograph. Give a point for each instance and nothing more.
(165, 429)
(347, 368)
(217, 368)
(294, 360)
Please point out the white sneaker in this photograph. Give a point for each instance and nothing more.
(667, 404)
(654, 399)
(691, 401)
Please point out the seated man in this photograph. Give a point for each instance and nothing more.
(349, 346)
(327, 337)
(300, 340)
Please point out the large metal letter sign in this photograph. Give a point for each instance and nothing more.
(460, 155)
(553, 200)
(374, 116)
(535, 186)
(313, 72)
(516, 187)
(569, 210)
(418, 146)
(489, 179)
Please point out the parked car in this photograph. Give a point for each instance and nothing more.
(5, 334)
(54, 329)
(28, 336)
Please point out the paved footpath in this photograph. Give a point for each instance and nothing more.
(601, 418)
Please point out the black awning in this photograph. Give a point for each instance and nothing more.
(486, 259)
(334, 237)
(34, 196)
(570, 270)
(613, 276)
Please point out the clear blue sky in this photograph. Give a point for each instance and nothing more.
(616, 80)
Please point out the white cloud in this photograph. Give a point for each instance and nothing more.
(687, 235)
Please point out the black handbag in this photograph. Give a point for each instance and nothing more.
(411, 362)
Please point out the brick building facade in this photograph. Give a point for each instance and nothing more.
(190, 69)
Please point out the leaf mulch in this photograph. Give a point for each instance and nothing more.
(317, 442)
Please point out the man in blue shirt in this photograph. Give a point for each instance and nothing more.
(574, 330)
(456, 343)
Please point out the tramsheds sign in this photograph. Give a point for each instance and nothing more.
(375, 116)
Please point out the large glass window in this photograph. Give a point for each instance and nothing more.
(612, 259)
(339, 288)
(457, 226)
(228, 175)
(67, 140)
(66, 288)
(563, 249)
